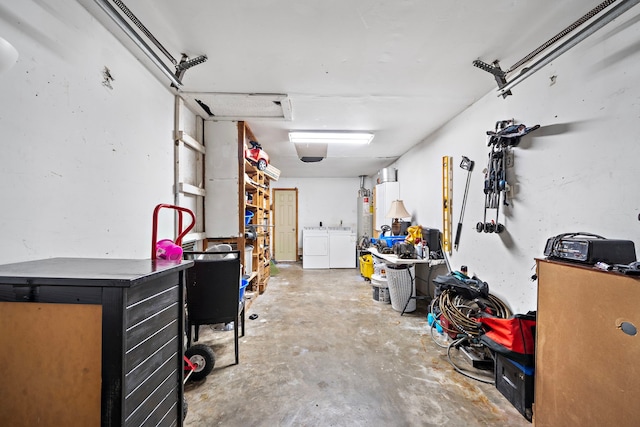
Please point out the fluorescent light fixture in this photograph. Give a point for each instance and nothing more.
(317, 137)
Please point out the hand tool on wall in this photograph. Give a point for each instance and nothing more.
(465, 164)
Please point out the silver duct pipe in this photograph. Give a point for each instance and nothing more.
(603, 20)
(124, 26)
(363, 192)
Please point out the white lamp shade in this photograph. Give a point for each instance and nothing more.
(8, 55)
(398, 210)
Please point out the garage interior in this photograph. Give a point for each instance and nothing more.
(111, 109)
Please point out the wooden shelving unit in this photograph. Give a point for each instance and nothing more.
(226, 208)
(258, 201)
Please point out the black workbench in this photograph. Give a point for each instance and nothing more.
(91, 342)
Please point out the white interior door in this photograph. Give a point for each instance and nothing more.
(286, 224)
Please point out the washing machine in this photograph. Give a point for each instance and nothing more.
(315, 247)
(342, 247)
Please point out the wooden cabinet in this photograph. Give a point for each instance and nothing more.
(234, 188)
(91, 342)
(587, 371)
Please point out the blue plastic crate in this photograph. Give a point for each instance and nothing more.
(390, 240)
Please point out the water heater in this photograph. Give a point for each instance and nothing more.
(365, 211)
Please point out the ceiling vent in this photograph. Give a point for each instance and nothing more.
(239, 106)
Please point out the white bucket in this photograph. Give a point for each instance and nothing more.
(380, 289)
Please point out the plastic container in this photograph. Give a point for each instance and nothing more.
(248, 259)
(402, 286)
(247, 217)
(515, 382)
(366, 266)
(166, 249)
(243, 286)
(380, 268)
(223, 247)
(431, 319)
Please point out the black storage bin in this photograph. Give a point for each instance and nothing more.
(213, 292)
(515, 382)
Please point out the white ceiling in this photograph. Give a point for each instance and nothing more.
(399, 68)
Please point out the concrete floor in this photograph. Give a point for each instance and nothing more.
(322, 352)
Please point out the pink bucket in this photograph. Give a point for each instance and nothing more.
(166, 249)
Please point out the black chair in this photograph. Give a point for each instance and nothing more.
(213, 286)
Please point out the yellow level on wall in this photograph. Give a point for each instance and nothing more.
(447, 202)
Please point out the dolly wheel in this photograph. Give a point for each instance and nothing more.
(202, 356)
(499, 228)
(479, 227)
(262, 164)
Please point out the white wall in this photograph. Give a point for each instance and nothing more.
(221, 180)
(579, 172)
(81, 166)
(327, 200)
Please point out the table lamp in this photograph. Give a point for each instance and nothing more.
(396, 212)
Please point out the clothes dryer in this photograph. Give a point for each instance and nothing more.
(342, 247)
(315, 247)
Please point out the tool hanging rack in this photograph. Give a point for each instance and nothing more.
(506, 135)
(611, 13)
(176, 75)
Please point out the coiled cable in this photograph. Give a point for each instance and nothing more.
(461, 313)
(457, 318)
